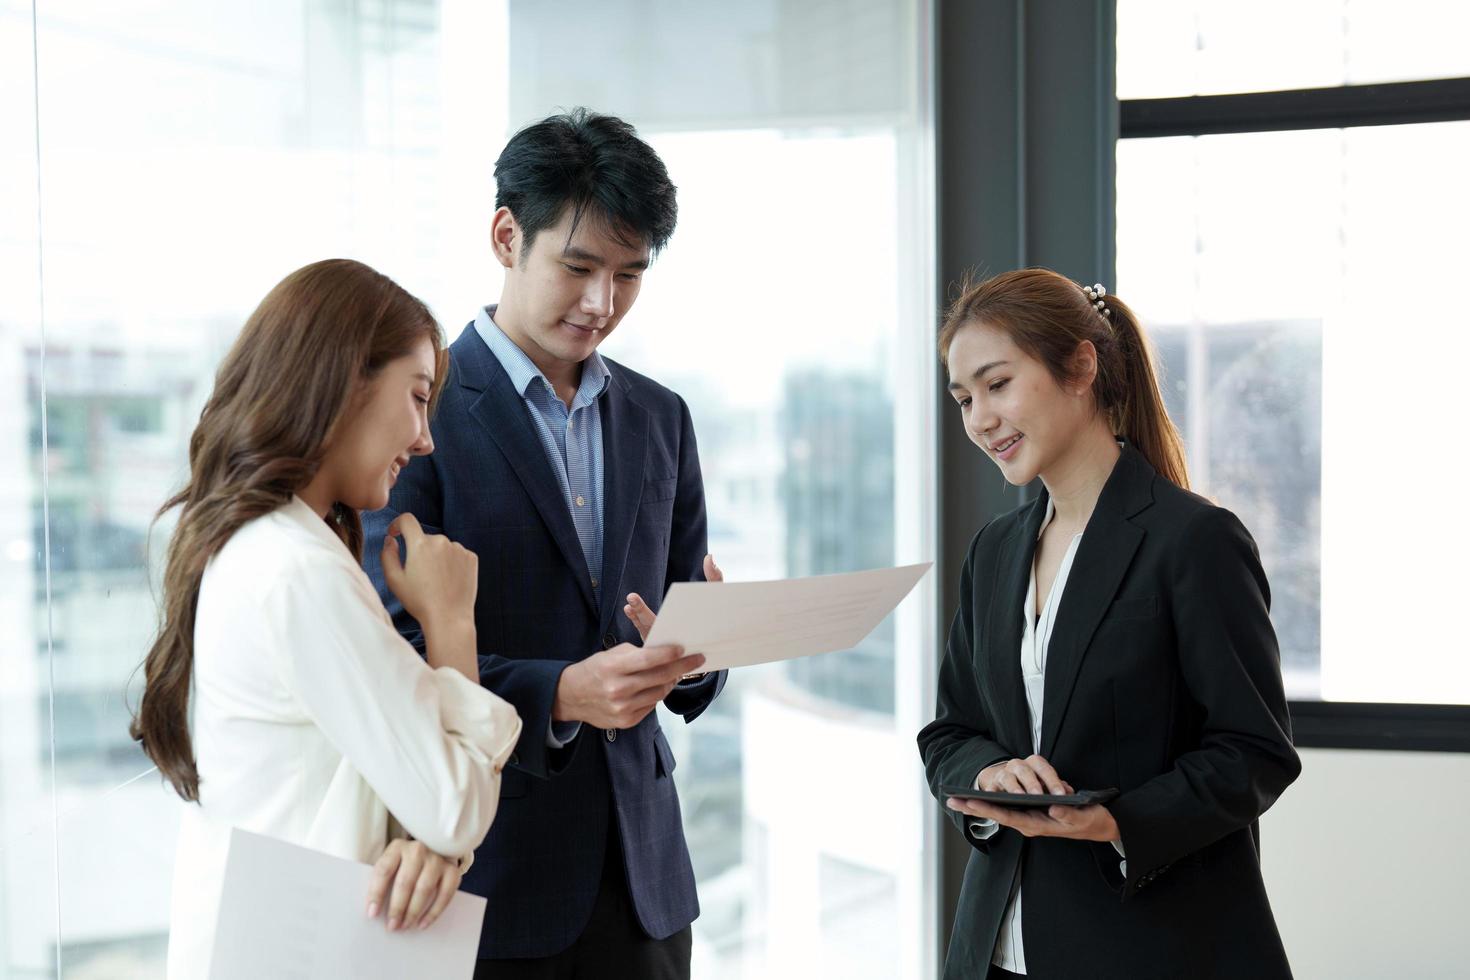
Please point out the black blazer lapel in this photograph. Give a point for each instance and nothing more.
(624, 454)
(1005, 626)
(501, 410)
(1108, 546)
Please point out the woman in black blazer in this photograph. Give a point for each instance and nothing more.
(1114, 632)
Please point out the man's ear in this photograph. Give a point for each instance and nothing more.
(506, 239)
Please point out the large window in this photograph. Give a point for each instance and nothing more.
(1302, 286)
(190, 158)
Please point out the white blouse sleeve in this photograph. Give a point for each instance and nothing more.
(981, 828)
(429, 742)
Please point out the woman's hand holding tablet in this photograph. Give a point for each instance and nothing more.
(1028, 796)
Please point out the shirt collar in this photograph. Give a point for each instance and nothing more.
(1051, 511)
(523, 372)
(299, 512)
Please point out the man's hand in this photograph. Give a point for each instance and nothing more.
(617, 688)
(642, 617)
(1035, 775)
(422, 883)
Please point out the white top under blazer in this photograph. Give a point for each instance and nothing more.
(1009, 953)
(313, 721)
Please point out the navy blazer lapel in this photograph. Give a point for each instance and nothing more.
(1109, 543)
(1005, 626)
(624, 455)
(501, 410)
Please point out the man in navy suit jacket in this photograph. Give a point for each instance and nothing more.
(576, 481)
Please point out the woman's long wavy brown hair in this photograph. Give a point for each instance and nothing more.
(1047, 315)
(298, 366)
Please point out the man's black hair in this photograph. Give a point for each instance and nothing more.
(593, 163)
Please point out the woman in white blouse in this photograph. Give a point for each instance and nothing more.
(1114, 633)
(279, 698)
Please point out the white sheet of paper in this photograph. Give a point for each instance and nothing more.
(737, 624)
(291, 912)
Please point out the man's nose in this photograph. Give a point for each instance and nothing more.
(598, 297)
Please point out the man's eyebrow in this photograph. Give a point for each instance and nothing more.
(979, 373)
(579, 254)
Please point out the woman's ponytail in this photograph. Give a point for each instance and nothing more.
(1138, 414)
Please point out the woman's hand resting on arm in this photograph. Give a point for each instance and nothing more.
(1035, 775)
(421, 883)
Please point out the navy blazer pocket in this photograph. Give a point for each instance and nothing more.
(664, 755)
(655, 518)
(656, 490)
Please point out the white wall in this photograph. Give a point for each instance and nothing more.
(1367, 887)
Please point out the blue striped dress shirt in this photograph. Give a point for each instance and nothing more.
(572, 439)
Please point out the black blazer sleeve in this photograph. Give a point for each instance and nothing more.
(959, 742)
(1230, 665)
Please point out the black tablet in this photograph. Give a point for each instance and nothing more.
(1029, 801)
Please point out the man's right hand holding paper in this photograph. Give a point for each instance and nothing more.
(616, 688)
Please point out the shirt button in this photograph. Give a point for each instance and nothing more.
(580, 501)
(612, 734)
(609, 641)
(594, 583)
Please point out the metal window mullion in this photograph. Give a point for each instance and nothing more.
(1388, 104)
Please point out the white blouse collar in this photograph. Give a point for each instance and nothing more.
(299, 512)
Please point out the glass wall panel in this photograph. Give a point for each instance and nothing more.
(190, 158)
(27, 791)
(793, 310)
(193, 156)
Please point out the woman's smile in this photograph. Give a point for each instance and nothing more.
(1006, 449)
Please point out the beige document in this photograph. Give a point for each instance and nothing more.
(289, 911)
(737, 624)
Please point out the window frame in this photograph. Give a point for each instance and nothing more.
(1321, 724)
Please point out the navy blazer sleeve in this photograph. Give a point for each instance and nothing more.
(1230, 664)
(688, 544)
(529, 685)
(959, 742)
